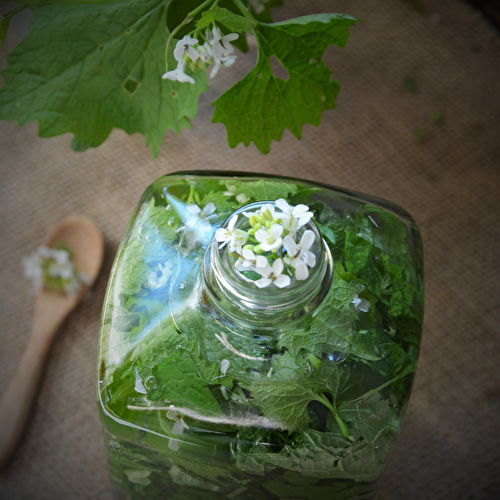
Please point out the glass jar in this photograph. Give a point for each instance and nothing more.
(223, 375)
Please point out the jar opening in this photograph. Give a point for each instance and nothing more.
(268, 261)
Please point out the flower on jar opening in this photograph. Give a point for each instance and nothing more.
(235, 237)
(248, 260)
(270, 240)
(298, 255)
(289, 214)
(273, 274)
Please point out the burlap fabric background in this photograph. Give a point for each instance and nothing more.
(450, 444)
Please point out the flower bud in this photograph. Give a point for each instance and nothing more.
(267, 214)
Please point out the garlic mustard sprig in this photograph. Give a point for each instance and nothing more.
(235, 237)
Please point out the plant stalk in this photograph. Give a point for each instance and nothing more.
(323, 399)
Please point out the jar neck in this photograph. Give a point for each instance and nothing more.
(237, 299)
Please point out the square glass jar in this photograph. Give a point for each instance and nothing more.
(219, 377)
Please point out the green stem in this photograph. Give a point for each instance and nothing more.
(191, 197)
(245, 12)
(407, 371)
(12, 13)
(187, 19)
(323, 399)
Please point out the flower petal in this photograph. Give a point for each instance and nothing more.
(282, 281)
(222, 235)
(276, 231)
(301, 271)
(261, 262)
(248, 254)
(263, 282)
(290, 245)
(265, 271)
(262, 236)
(277, 267)
(232, 222)
(208, 210)
(299, 209)
(307, 240)
(283, 205)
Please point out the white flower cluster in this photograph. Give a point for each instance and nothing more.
(273, 251)
(216, 48)
(53, 268)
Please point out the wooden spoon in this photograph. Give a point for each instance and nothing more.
(85, 241)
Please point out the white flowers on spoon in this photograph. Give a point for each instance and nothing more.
(52, 268)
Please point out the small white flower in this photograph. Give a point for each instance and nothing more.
(235, 237)
(196, 228)
(273, 275)
(299, 256)
(360, 304)
(186, 46)
(221, 45)
(156, 280)
(223, 390)
(179, 425)
(221, 61)
(205, 52)
(178, 74)
(270, 240)
(300, 213)
(241, 198)
(221, 49)
(224, 365)
(248, 260)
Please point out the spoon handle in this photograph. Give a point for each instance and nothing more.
(50, 311)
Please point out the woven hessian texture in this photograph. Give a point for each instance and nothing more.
(450, 444)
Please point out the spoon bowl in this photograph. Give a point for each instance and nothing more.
(85, 241)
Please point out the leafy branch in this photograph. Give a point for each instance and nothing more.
(114, 51)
